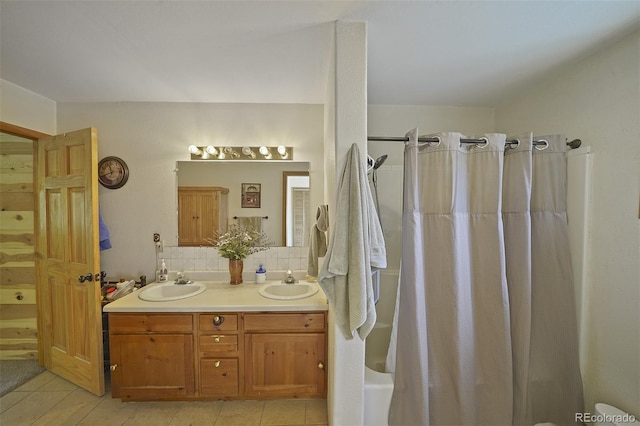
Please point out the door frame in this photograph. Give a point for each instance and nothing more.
(33, 135)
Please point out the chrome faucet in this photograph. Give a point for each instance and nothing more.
(180, 279)
(289, 278)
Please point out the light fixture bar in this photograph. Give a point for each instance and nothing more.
(250, 153)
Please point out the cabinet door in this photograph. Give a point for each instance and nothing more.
(219, 377)
(152, 366)
(208, 222)
(188, 215)
(285, 364)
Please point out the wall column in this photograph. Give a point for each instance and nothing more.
(345, 124)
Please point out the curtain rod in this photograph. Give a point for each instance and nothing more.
(573, 144)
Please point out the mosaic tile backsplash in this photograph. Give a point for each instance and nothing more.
(208, 259)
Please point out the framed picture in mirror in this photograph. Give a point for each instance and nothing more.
(250, 195)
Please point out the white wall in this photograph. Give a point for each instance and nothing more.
(24, 108)
(151, 137)
(598, 100)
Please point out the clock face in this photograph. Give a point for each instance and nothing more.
(112, 172)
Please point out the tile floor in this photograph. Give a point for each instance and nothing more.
(51, 400)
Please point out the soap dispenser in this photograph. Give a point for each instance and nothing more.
(261, 275)
(163, 275)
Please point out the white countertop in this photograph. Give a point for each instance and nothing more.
(220, 296)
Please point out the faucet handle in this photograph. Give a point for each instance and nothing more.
(289, 279)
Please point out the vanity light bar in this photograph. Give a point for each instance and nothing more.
(262, 152)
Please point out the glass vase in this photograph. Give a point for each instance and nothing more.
(235, 271)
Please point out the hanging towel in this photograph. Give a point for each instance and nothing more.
(318, 240)
(356, 249)
(105, 243)
(251, 222)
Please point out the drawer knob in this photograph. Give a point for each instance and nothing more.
(217, 339)
(217, 320)
(216, 364)
(320, 365)
(113, 367)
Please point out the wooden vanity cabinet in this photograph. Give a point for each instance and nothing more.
(201, 212)
(226, 355)
(285, 354)
(151, 356)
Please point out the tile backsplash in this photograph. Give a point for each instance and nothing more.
(208, 259)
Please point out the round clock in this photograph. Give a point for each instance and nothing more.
(113, 172)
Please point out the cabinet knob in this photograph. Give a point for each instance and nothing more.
(320, 365)
(217, 339)
(217, 320)
(113, 367)
(216, 364)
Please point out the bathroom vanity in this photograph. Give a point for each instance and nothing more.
(227, 342)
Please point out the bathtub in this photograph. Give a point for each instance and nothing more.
(378, 385)
(378, 388)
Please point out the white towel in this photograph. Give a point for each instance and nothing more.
(251, 222)
(318, 240)
(356, 249)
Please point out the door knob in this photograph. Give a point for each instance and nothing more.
(113, 367)
(88, 277)
(217, 320)
(217, 364)
(217, 339)
(320, 365)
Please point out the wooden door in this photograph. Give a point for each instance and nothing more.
(208, 223)
(69, 321)
(285, 364)
(152, 366)
(187, 217)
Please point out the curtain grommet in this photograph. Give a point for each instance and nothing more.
(539, 142)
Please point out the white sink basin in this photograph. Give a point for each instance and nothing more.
(171, 291)
(281, 291)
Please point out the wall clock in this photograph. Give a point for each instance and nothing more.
(113, 172)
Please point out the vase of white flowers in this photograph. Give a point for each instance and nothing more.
(236, 244)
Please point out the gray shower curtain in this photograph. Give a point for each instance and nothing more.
(486, 318)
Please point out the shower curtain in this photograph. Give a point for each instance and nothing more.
(486, 319)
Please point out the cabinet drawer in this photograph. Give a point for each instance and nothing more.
(294, 321)
(132, 323)
(218, 322)
(219, 377)
(219, 343)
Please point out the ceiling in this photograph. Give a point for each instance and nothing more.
(462, 53)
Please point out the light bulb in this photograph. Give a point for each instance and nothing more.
(282, 151)
(248, 152)
(230, 151)
(195, 150)
(265, 152)
(211, 150)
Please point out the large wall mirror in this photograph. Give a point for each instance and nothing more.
(275, 194)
